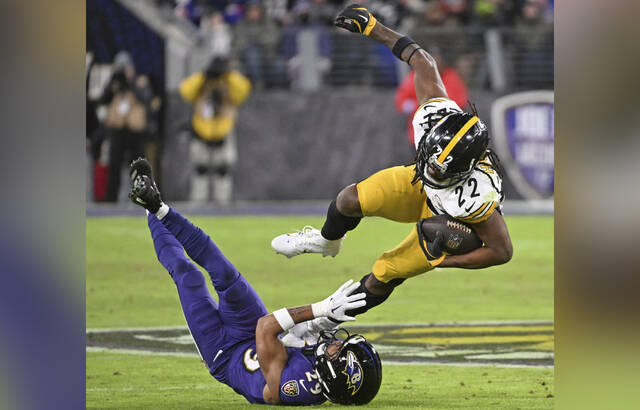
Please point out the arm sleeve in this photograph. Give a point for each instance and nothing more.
(239, 87)
(190, 87)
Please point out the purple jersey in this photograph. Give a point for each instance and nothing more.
(298, 384)
(224, 332)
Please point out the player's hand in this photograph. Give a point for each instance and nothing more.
(434, 248)
(356, 19)
(335, 306)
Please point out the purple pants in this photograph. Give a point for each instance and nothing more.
(214, 326)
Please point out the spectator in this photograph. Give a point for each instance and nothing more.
(437, 15)
(256, 41)
(534, 45)
(458, 9)
(406, 100)
(130, 105)
(307, 33)
(215, 95)
(216, 35)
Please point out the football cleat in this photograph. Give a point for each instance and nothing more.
(140, 166)
(144, 191)
(308, 240)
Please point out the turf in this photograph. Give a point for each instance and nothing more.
(126, 381)
(126, 286)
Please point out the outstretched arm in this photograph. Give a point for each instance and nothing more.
(272, 355)
(428, 83)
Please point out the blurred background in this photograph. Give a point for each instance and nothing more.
(243, 103)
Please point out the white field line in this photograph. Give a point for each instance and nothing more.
(161, 388)
(137, 352)
(439, 324)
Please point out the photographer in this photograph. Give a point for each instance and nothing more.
(130, 105)
(215, 95)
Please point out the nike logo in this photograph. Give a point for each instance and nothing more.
(218, 354)
(302, 384)
(470, 207)
(141, 201)
(334, 309)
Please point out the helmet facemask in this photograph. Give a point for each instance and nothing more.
(342, 372)
(439, 173)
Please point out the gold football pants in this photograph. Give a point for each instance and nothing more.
(389, 194)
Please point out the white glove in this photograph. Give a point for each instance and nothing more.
(336, 305)
(306, 333)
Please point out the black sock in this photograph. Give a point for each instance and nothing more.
(372, 299)
(337, 224)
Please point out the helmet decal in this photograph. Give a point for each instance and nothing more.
(354, 373)
(342, 373)
(457, 138)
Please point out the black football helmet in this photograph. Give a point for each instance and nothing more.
(350, 375)
(449, 152)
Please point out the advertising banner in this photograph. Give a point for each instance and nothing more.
(523, 137)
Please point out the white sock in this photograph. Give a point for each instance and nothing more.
(162, 211)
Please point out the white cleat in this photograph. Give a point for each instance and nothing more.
(308, 240)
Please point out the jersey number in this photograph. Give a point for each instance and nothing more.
(474, 191)
(250, 360)
(311, 377)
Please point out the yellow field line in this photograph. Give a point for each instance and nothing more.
(448, 340)
(474, 329)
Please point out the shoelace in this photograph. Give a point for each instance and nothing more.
(304, 235)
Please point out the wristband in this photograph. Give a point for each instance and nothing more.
(319, 309)
(284, 319)
(400, 45)
(412, 53)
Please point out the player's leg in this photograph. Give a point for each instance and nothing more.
(390, 194)
(199, 308)
(239, 304)
(391, 269)
(387, 193)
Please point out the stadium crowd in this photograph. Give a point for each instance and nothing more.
(404, 13)
(264, 35)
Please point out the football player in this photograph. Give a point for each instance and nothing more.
(454, 174)
(237, 338)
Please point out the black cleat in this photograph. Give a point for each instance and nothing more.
(140, 166)
(144, 191)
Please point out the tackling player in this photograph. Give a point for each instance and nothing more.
(237, 339)
(454, 174)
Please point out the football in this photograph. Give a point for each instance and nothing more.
(459, 238)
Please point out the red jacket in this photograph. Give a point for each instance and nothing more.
(406, 100)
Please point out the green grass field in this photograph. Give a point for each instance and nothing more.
(127, 287)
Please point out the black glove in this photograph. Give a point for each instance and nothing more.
(356, 19)
(434, 248)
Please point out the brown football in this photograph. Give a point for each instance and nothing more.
(459, 238)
